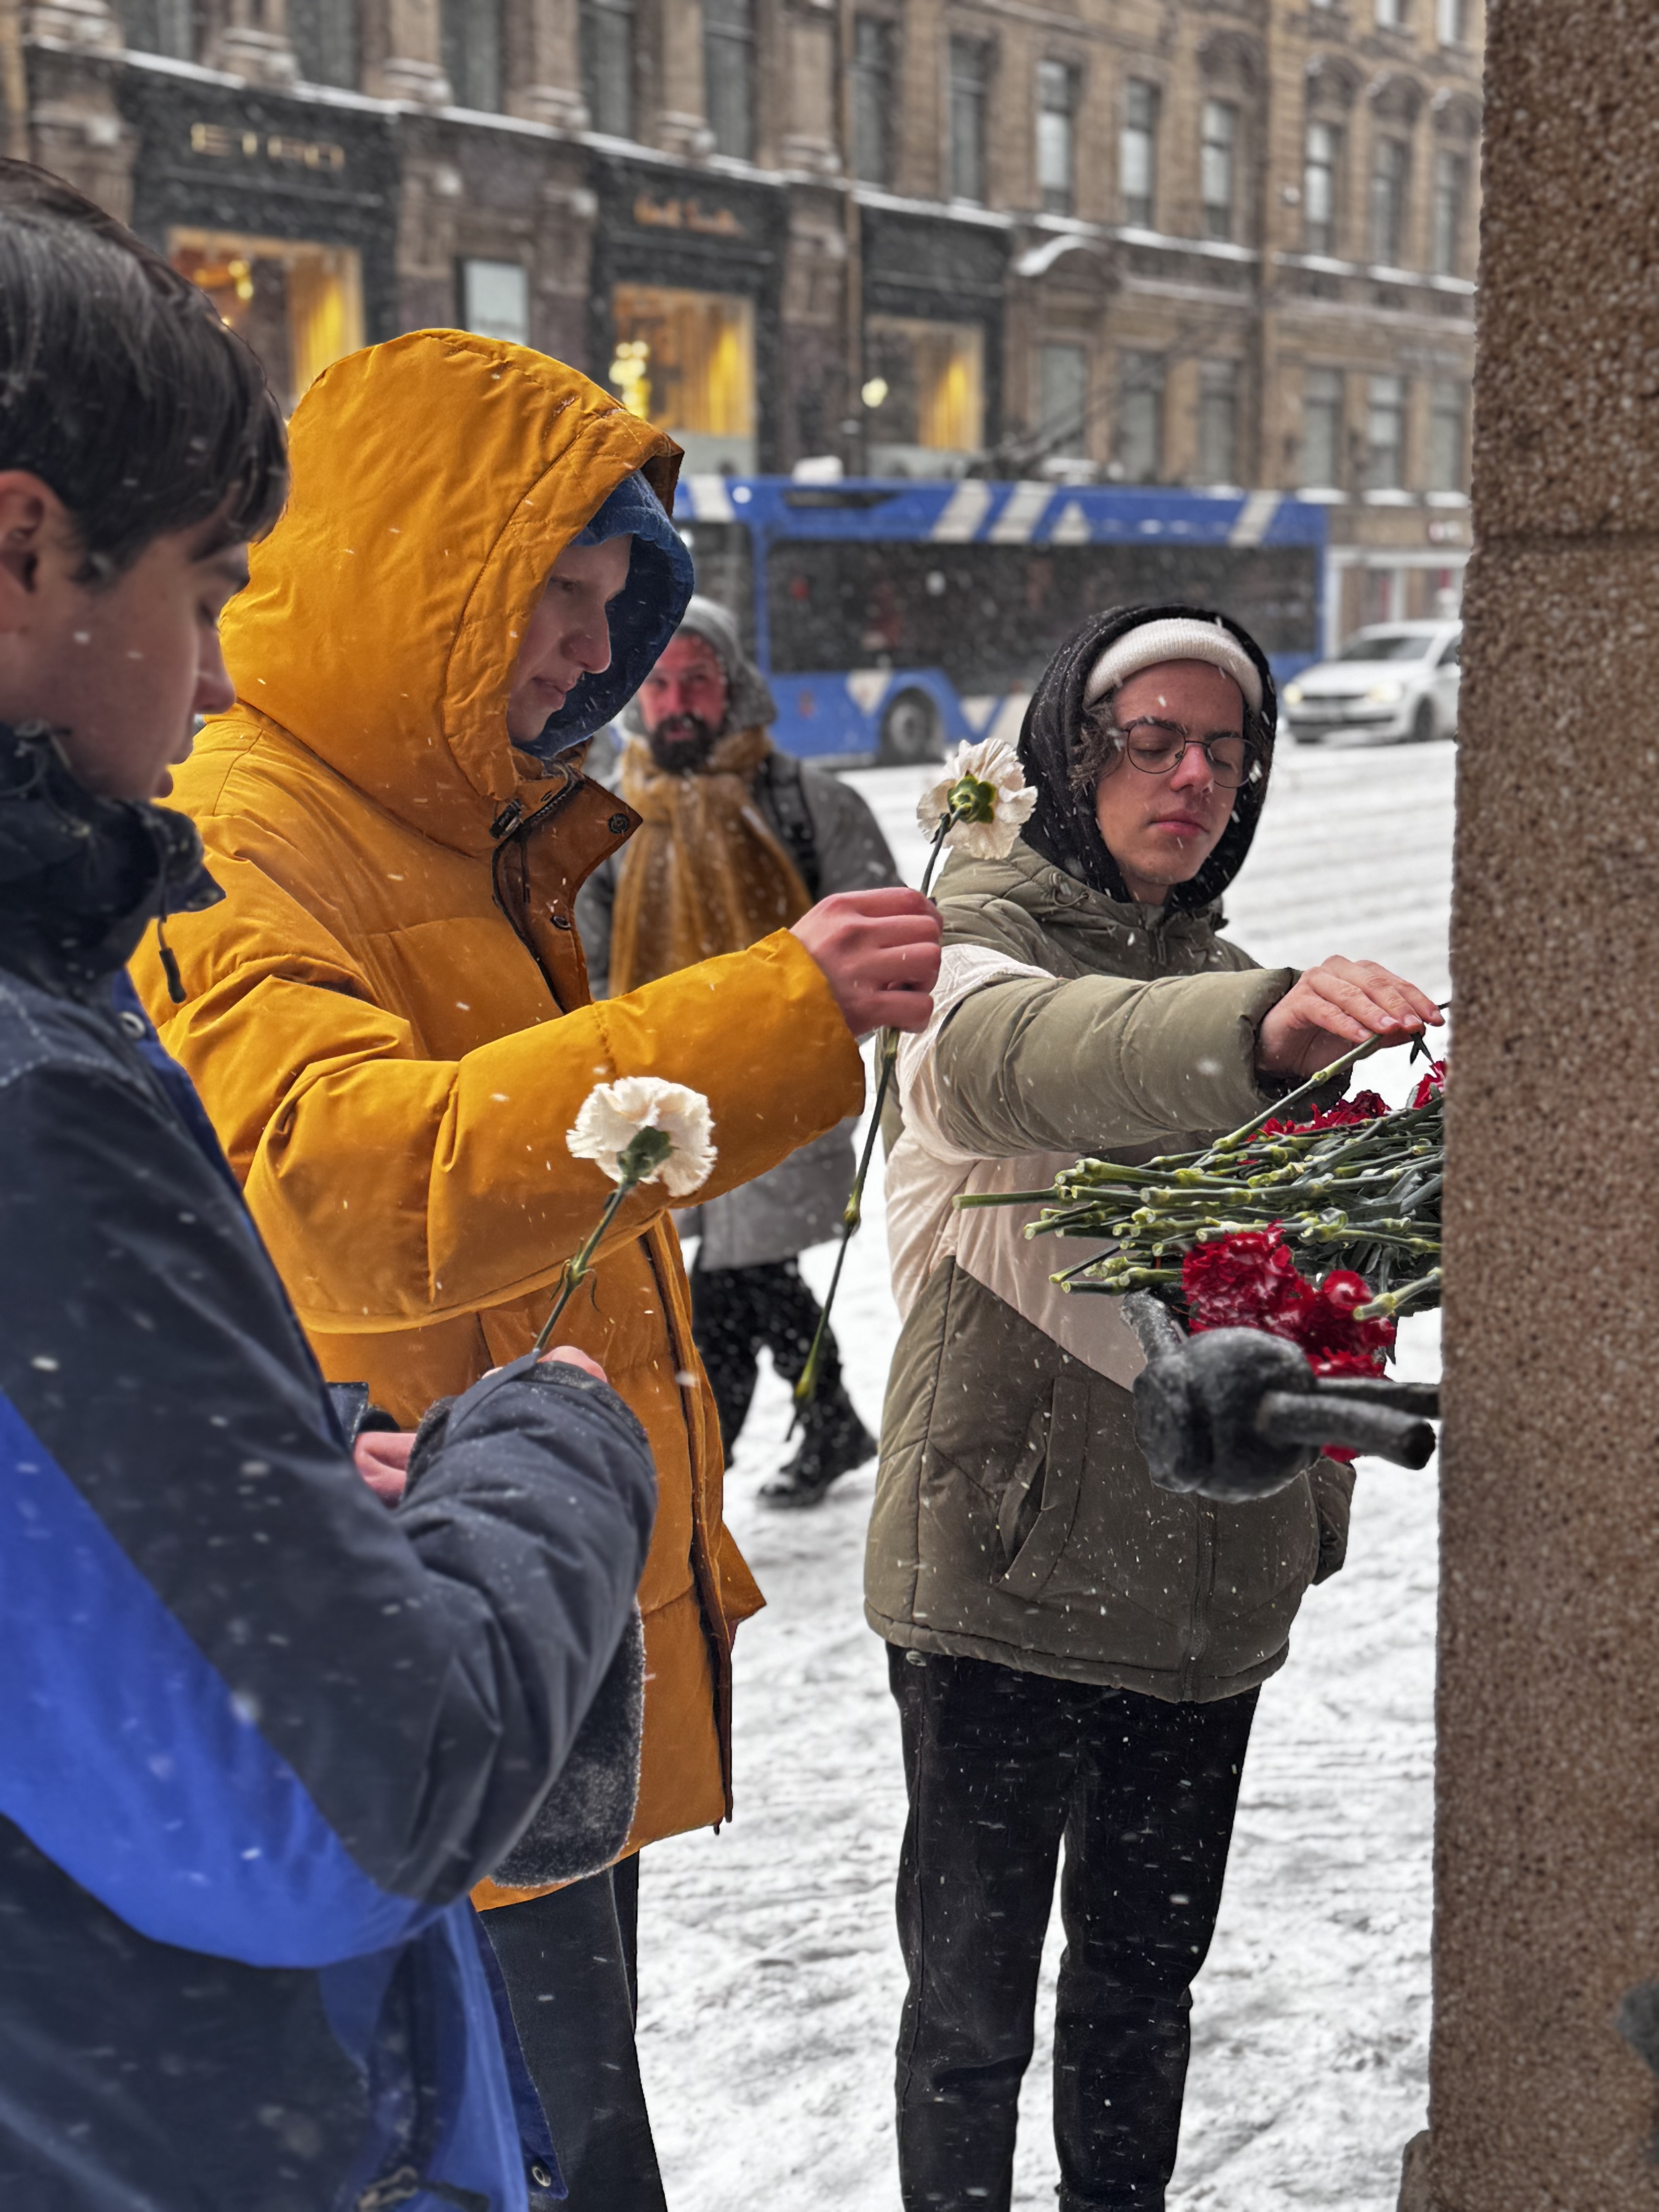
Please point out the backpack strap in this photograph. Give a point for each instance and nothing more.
(795, 820)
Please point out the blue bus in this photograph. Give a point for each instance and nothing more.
(893, 619)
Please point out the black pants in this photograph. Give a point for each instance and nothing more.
(739, 1312)
(570, 1962)
(999, 1766)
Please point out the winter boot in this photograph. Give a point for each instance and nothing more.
(833, 1442)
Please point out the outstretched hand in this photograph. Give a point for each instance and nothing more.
(1339, 1004)
(879, 951)
(382, 1455)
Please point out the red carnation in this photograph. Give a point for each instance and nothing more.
(1326, 1326)
(1433, 1085)
(1246, 1280)
(1363, 1106)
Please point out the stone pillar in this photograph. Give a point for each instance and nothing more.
(250, 39)
(551, 90)
(1548, 1840)
(807, 92)
(62, 113)
(402, 52)
(681, 128)
(88, 26)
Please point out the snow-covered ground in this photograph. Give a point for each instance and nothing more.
(769, 1972)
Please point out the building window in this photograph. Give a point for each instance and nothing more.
(496, 300)
(1391, 14)
(873, 101)
(728, 64)
(685, 361)
(1137, 153)
(324, 36)
(160, 26)
(1216, 166)
(1217, 421)
(1321, 168)
(1062, 398)
(969, 72)
(1451, 22)
(1385, 434)
(607, 45)
(1321, 429)
(931, 378)
(1448, 415)
(1139, 439)
(473, 53)
(1057, 136)
(1451, 199)
(299, 306)
(1389, 169)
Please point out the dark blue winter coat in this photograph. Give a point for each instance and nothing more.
(259, 1736)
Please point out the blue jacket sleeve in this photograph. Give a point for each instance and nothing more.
(247, 1707)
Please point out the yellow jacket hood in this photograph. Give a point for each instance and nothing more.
(437, 479)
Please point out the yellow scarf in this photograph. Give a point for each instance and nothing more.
(703, 873)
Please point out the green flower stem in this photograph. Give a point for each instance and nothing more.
(968, 802)
(1395, 1301)
(1235, 1140)
(972, 1199)
(582, 1265)
(639, 1159)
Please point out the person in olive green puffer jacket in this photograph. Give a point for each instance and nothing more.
(1076, 1653)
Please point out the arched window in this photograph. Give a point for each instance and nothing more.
(160, 26)
(1331, 90)
(324, 37)
(607, 36)
(473, 53)
(728, 48)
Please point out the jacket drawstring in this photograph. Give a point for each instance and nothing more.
(176, 990)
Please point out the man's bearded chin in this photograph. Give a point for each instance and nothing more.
(682, 742)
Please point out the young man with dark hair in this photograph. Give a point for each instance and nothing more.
(260, 1733)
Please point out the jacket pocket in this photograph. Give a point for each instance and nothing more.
(1039, 1506)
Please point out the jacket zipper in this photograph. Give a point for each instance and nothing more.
(512, 828)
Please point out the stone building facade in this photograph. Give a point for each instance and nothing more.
(1186, 242)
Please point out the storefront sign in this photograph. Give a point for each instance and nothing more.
(225, 141)
(686, 214)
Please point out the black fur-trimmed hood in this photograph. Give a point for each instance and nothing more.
(83, 878)
(1063, 828)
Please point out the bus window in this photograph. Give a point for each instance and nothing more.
(722, 555)
(989, 617)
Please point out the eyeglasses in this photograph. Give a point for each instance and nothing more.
(1158, 748)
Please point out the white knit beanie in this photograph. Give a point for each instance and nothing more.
(1176, 637)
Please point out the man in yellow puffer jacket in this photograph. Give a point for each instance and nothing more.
(389, 1021)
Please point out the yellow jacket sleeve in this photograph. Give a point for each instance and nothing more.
(393, 1188)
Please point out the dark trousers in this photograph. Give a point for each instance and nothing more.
(570, 1962)
(737, 1313)
(1000, 1765)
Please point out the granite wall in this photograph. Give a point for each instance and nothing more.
(1547, 1843)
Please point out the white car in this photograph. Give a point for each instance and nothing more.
(1392, 682)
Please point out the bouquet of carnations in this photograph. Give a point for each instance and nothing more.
(1320, 1227)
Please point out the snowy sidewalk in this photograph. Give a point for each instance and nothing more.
(770, 1972)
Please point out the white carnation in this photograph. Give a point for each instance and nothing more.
(993, 765)
(613, 1114)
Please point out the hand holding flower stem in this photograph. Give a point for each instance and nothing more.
(977, 806)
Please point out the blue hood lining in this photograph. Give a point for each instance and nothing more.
(643, 618)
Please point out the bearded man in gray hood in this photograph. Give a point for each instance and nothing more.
(738, 840)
